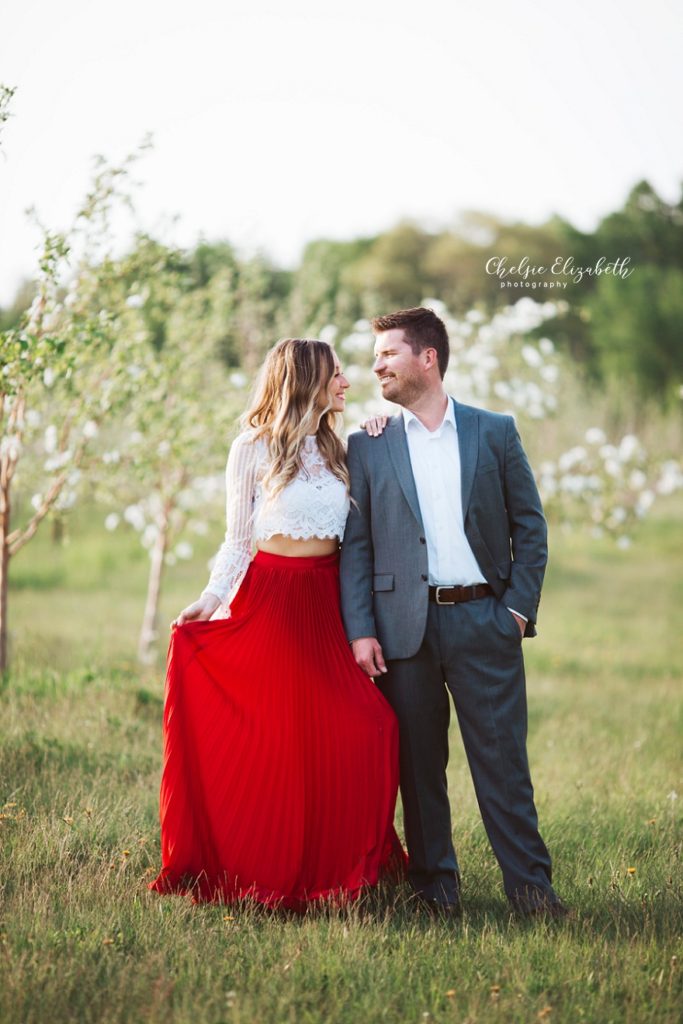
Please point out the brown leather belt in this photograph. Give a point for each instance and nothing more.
(454, 595)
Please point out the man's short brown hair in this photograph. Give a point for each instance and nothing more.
(422, 329)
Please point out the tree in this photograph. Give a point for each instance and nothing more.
(637, 326)
(64, 370)
(176, 427)
(321, 294)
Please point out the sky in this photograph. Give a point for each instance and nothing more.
(275, 123)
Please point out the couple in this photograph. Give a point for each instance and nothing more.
(281, 756)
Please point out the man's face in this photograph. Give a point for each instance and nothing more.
(399, 371)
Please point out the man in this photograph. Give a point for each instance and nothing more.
(441, 570)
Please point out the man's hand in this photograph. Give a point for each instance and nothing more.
(200, 610)
(368, 654)
(519, 620)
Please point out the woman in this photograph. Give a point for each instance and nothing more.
(280, 756)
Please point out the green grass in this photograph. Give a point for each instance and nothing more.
(82, 939)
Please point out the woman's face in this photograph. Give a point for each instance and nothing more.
(334, 395)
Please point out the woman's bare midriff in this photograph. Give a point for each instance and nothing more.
(279, 544)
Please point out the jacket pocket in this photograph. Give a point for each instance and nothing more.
(383, 581)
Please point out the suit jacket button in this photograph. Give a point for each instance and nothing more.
(424, 578)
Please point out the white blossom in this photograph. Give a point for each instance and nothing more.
(357, 342)
(670, 478)
(112, 521)
(11, 447)
(65, 499)
(34, 312)
(58, 460)
(183, 550)
(571, 457)
(90, 429)
(645, 502)
(531, 356)
(149, 535)
(134, 515)
(628, 447)
(594, 435)
(328, 333)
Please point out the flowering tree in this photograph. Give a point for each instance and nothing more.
(607, 487)
(64, 370)
(175, 430)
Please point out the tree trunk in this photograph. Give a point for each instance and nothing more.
(149, 631)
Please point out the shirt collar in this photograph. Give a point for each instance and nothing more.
(449, 417)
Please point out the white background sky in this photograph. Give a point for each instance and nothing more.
(277, 121)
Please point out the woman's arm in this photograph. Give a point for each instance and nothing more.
(235, 553)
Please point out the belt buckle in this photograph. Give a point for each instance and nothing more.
(438, 596)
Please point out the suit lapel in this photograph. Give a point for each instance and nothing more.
(467, 423)
(395, 434)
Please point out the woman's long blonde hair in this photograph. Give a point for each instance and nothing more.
(286, 407)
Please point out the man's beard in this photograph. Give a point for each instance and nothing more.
(403, 392)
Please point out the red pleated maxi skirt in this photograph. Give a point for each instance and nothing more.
(280, 765)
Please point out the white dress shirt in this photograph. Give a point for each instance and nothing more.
(435, 461)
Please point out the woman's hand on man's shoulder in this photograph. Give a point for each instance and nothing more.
(374, 425)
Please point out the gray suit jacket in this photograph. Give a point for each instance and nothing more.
(384, 554)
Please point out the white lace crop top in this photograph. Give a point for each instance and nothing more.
(314, 504)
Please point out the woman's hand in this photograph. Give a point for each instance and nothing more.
(200, 610)
(375, 425)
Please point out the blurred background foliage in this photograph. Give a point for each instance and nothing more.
(629, 330)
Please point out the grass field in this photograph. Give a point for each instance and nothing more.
(82, 939)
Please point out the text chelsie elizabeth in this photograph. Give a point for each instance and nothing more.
(563, 270)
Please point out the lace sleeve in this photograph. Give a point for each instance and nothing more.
(235, 553)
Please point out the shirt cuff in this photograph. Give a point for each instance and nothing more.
(516, 612)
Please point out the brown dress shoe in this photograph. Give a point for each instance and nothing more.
(553, 910)
(446, 909)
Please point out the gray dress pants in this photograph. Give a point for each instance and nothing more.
(474, 650)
